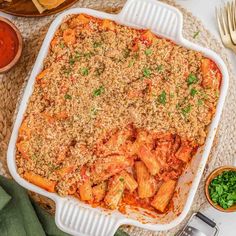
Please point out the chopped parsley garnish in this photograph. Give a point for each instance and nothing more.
(146, 72)
(172, 95)
(192, 79)
(126, 53)
(199, 102)
(121, 179)
(61, 45)
(88, 54)
(66, 70)
(196, 34)
(148, 51)
(54, 167)
(160, 68)
(186, 110)
(84, 71)
(131, 63)
(94, 111)
(71, 61)
(98, 91)
(78, 55)
(67, 96)
(162, 98)
(222, 189)
(136, 55)
(97, 44)
(193, 92)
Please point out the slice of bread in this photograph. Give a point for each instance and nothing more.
(43, 5)
(38, 6)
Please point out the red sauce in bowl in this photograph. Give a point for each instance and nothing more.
(9, 44)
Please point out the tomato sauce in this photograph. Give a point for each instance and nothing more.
(135, 203)
(8, 44)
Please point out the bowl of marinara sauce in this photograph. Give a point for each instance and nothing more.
(10, 45)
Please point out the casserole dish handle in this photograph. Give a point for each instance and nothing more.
(160, 18)
(76, 219)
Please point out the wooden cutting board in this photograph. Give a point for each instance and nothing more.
(26, 8)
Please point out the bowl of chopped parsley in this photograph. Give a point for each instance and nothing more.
(220, 188)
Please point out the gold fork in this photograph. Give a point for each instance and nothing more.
(222, 19)
(231, 13)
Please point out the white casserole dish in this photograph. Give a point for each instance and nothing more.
(77, 218)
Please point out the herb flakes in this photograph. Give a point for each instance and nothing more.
(162, 98)
(71, 61)
(67, 96)
(98, 91)
(97, 44)
(131, 63)
(62, 45)
(126, 53)
(146, 72)
(192, 79)
(186, 110)
(200, 102)
(148, 51)
(84, 71)
(193, 92)
(160, 68)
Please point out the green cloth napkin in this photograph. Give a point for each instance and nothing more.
(4, 198)
(21, 217)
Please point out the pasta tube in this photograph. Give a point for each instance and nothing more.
(130, 183)
(104, 168)
(40, 181)
(115, 191)
(85, 191)
(164, 195)
(99, 191)
(149, 160)
(146, 182)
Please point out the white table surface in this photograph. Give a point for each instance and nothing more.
(205, 10)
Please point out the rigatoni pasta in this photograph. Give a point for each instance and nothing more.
(146, 182)
(40, 181)
(164, 195)
(99, 191)
(149, 159)
(115, 191)
(86, 191)
(130, 182)
(102, 169)
(116, 115)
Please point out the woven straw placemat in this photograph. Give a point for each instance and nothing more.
(12, 83)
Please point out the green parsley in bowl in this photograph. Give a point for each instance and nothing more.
(220, 189)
